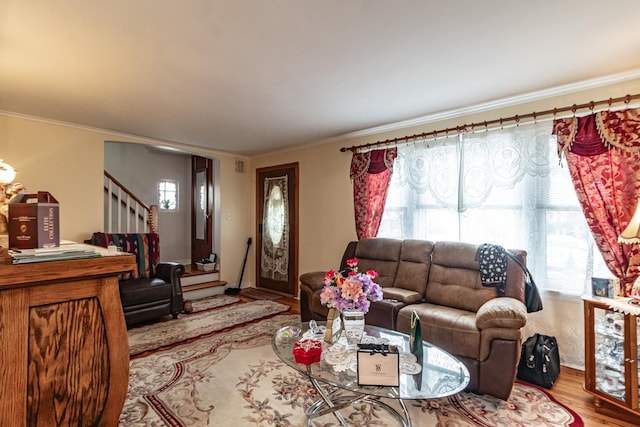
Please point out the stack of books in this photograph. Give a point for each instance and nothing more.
(61, 253)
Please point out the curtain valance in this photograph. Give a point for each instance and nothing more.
(372, 162)
(596, 133)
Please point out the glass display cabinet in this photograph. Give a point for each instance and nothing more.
(611, 353)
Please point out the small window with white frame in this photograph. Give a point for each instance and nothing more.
(168, 195)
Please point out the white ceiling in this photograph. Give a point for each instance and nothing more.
(251, 76)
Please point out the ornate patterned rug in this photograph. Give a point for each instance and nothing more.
(216, 368)
(256, 293)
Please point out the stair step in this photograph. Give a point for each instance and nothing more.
(192, 270)
(193, 276)
(203, 285)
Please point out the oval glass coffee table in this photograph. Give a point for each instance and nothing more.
(441, 374)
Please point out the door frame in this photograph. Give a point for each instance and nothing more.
(202, 249)
(293, 224)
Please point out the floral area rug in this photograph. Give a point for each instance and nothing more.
(256, 293)
(221, 371)
(200, 322)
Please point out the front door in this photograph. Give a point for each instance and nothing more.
(277, 228)
(201, 208)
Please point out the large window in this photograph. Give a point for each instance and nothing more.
(504, 187)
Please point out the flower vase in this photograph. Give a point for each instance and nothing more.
(353, 325)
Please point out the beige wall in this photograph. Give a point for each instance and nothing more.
(69, 162)
(236, 222)
(326, 206)
(64, 161)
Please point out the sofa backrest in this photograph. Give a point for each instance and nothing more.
(379, 254)
(446, 273)
(454, 279)
(145, 246)
(516, 277)
(414, 265)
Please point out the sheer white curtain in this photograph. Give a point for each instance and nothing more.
(503, 187)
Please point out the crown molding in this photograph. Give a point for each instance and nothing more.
(497, 104)
(115, 136)
(422, 120)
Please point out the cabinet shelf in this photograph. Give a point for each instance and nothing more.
(611, 360)
(613, 336)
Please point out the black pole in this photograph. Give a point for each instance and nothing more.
(233, 291)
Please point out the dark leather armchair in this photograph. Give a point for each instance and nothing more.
(154, 290)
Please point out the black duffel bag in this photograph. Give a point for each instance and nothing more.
(539, 361)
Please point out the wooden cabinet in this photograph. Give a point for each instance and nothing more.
(63, 343)
(611, 355)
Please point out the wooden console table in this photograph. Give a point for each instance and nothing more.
(63, 343)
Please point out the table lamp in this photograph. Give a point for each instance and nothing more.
(7, 175)
(631, 234)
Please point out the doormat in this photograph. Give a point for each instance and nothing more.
(256, 293)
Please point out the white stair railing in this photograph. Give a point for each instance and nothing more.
(124, 212)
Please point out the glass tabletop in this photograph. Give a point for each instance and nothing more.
(441, 374)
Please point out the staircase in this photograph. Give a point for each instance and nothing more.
(126, 213)
(199, 284)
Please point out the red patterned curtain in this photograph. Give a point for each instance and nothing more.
(371, 173)
(603, 155)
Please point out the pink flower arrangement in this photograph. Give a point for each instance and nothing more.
(350, 290)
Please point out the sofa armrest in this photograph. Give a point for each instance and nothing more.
(170, 272)
(406, 296)
(502, 312)
(313, 281)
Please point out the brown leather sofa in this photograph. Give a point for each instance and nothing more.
(155, 289)
(441, 282)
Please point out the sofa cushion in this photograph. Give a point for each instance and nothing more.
(452, 329)
(144, 290)
(381, 255)
(454, 279)
(413, 267)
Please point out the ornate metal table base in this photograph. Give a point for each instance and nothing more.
(340, 399)
(435, 374)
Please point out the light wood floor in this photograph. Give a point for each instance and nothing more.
(567, 390)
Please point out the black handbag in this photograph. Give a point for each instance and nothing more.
(531, 294)
(539, 361)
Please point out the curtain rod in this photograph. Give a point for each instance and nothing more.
(485, 124)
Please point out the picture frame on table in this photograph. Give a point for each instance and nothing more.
(605, 287)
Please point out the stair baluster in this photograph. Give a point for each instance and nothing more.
(122, 206)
